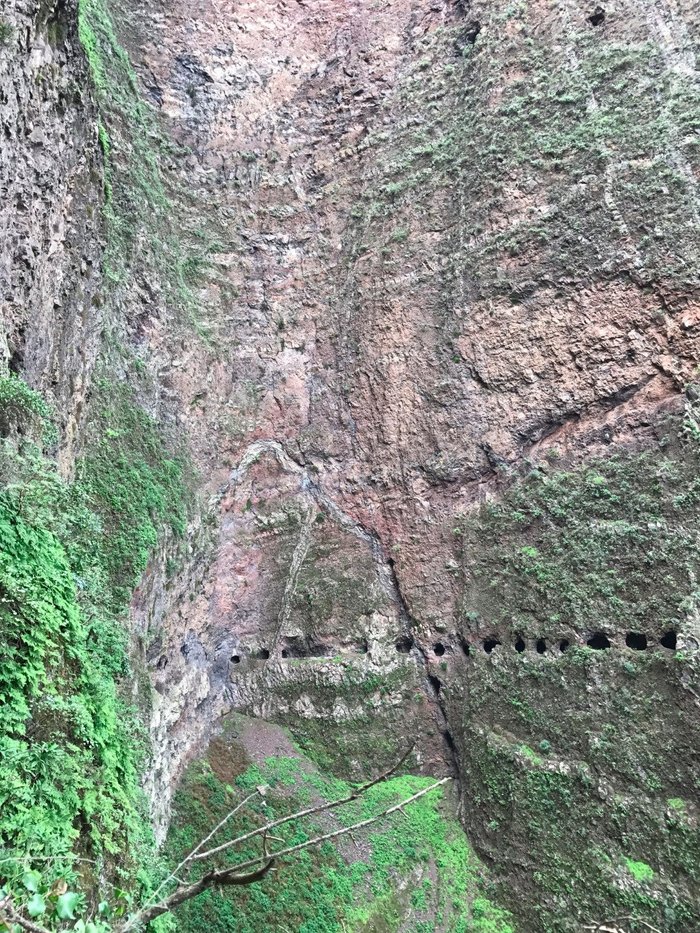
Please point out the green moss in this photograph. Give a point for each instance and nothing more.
(612, 546)
(132, 483)
(640, 871)
(139, 204)
(325, 891)
(598, 128)
(70, 554)
(676, 803)
(21, 408)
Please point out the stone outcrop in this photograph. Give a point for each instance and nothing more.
(431, 257)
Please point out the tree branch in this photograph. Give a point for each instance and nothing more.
(309, 812)
(193, 854)
(317, 840)
(603, 927)
(9, 914)
(225, 877)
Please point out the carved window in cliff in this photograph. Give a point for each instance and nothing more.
(636, 640)
(599, 641)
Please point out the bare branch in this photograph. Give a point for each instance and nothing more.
(193, 854)
(9, 915)
(225, 877)
(256, 868)
(602, 926)
(308, 812)
(317, 840)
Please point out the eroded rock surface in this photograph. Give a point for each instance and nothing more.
(427, 249)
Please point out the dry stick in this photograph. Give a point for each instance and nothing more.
(14, 917)
(192, 854)
(601, 926)
(232, 876)
(309, 812)
(212, 879)
(342, 832)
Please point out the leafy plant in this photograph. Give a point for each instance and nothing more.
(70, 747)
(21, 408)
(6, 32)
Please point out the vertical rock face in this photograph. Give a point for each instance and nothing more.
(50, 226)
(436, 255)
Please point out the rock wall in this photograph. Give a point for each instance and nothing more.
(51, 224)
(385, 265)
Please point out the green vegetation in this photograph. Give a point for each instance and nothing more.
(6, 33)
(139, 205)
(640, 871)
(134, 484)
(21, 408)
(550, 820)
(600, 131)
(354, 887)
(610, 545)
(70, 747)
(134, 189)
(613, 545)
(71, 553)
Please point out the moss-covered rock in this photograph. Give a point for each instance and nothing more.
(413, 872)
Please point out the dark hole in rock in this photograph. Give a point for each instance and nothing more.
(391, 562)
(263, 654)
(520, 646)
(295, 648)
(362, 648)
(467, 35)
(564, 644)
(668, 640)
(599, 641)
(541, 646)
(597, 17)
(434, 683)
(466, 648)
(162, 663)
(636, 640)
(318, 651)
(472, 31)
(439, 648)
(447, 735)
(404, 644)
(490, 644)
(236, 659)
(16, 361)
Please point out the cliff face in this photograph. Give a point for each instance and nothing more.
(50, 170)
(415, 287)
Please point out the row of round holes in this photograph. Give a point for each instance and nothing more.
(599, 642)
(264, 654)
